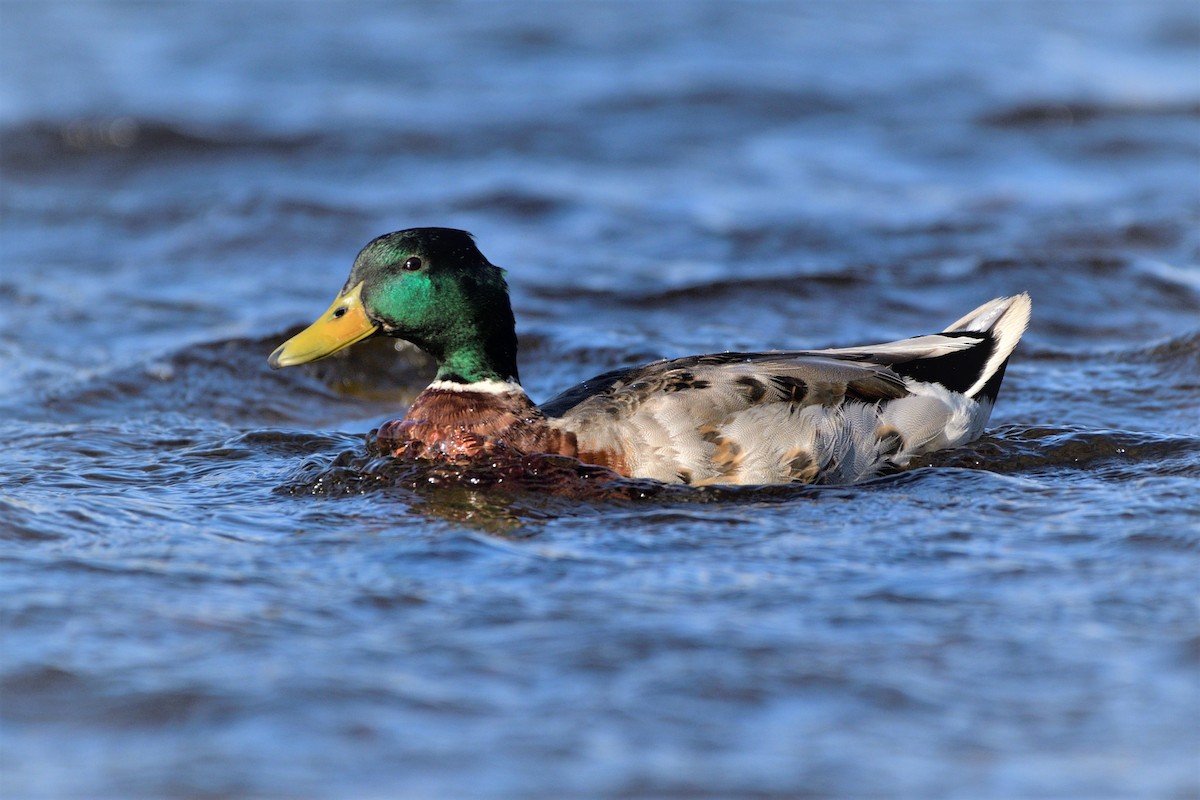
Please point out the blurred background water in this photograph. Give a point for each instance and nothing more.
(210, 591)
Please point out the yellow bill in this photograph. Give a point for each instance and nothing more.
(343, 323)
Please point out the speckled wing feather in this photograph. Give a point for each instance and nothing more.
(707, 418)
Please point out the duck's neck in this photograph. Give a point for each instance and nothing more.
(484, 363)
(479, 347)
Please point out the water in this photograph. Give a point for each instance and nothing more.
(211, 589)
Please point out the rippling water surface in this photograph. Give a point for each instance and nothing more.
(211, 588)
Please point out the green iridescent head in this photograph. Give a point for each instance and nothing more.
(431, 287)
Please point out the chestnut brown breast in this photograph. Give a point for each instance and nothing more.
(457, 425)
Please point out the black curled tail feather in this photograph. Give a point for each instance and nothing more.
(1003, 321)
(969, 357)
(958, 370)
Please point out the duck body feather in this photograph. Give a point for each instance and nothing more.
(810, 416)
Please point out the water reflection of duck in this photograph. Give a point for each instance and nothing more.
(814, 416)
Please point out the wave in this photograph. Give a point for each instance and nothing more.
(229, 381)
(1075, 112)
(1175, 350)
(1109, 453)
(1181, 349)
(37, 143)
(724, 289)
(513, 203)
(1008, 451)
(744, 101)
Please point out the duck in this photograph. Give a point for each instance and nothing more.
(833, 416)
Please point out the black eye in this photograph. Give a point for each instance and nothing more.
(412, 264)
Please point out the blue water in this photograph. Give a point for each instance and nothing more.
(209, 589)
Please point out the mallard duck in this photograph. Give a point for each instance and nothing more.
(805, 416)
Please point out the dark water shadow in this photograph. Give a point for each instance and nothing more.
(1012, 449)
(503, 493)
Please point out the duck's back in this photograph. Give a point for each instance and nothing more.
(830, 416)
